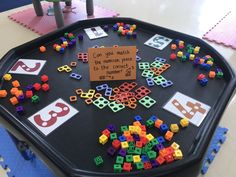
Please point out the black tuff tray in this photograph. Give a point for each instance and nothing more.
(73, 145)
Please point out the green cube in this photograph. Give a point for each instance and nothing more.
(117, 168)
(124, 128)
(219, 75)
(151, 155)
(35, 99)
(119, 160)
(98, 160)
(131, 144)
(129, 158)
(138, 151)
(190, 51)
(183, 58)
(144, 150)
(150, 123)
(139, 165)
(149, 146)
(154, 142)
(131, 150)
(113, 136)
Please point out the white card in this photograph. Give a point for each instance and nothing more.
(158, 42)
(186, 107)
(52, 116)
(95, 32)
(27, 66)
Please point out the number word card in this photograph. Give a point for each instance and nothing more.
(158, 42)
(52, 116)
(186, 107)
(112, 63)
(27, 66)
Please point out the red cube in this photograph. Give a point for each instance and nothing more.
(127, 167)
(129, 139)
(106, 132)
(200, 76)
(169, 158)
(116, 144)
(44, 78)
(37, 86)
(29, 93)
(160, 160)
(147, 165)
(45, 87)
(139, 144)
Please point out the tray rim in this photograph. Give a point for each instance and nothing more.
(67, 167)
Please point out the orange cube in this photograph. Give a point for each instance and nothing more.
(169, 135)
(201, 61)
(212, 74)
(14, 90)
(158, 123)
(42, 49)
(3, 93)
(15, 83)
(173, 46)
(14, 100)
(18, 93)
(137, 123)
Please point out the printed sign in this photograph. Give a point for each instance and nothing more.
(52, 116)
(95, 32)
(186, 107)
(27, 66)
(158, 42)
(113, 63)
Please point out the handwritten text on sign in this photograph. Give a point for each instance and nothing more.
(113, 63)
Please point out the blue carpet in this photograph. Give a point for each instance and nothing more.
(11, 4)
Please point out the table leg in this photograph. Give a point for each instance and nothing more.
(58, 14)
(89, 7)
(37, 7)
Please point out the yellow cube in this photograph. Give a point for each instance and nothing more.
(174, 128)
(196, 50)
(191, 57)
(132, 129)
(175, 146)
(178, 155)
(58, 48)
(103, 139)
(136, 158)
(184, 122)
(149, 137)
(7, 77)
(210, 62)
(124, 145)
(137, 129)
(181, 42)
(65, 43)
(180, 54)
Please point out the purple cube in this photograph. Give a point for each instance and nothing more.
(20, 110)
(111, 151)
(111, 128)
(122, 152)
(80, 37)
(158, 147)
(30, 87)
(21, 98)
(154, 163)
(136, 137)
(134, 35)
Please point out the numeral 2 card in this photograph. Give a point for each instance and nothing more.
(95, 32)
(158, 42)
(27, 66)
(52, 116)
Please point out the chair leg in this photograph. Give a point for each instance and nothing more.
(58, 14)
(89, 7)
(37, 7)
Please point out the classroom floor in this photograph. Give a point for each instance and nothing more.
(194, 18)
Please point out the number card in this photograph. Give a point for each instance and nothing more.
(27, 66)
(186, 107)
(52, 116)
(158, 42)
(112, 63)
(95, 32)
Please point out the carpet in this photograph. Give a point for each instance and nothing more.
(45, 24)
(224, 32)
